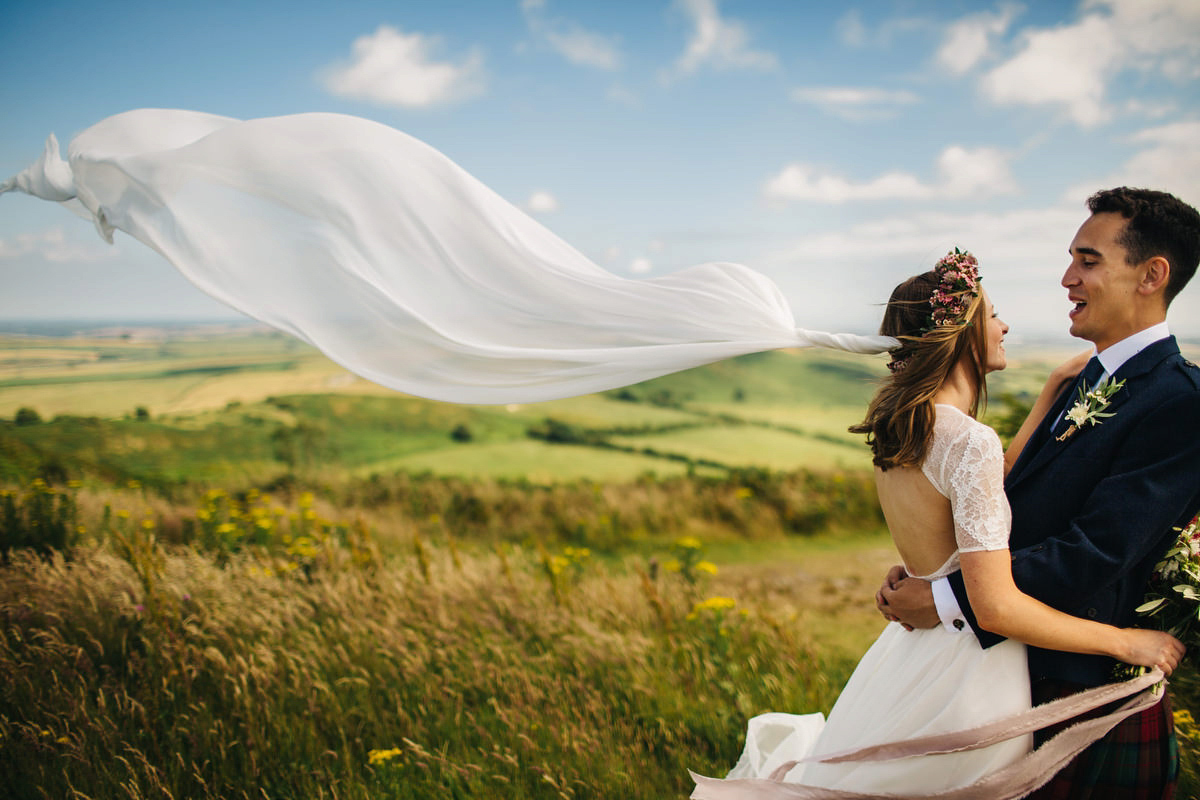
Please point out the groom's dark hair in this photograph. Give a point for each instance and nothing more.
(1157, 224)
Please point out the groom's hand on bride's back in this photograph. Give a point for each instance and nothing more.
(906, 600)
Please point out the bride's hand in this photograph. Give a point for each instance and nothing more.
(1153, 649)
(1066, 371)
(894, 576)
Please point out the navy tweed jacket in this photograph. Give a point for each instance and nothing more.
(1092, 515)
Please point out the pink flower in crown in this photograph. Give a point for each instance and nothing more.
(958, 277)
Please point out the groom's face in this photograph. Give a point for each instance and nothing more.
(1100, 283)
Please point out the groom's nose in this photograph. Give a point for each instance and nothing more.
(1069, 277)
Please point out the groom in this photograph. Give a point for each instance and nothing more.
(1094, 510)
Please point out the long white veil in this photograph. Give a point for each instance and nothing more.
(396, 263)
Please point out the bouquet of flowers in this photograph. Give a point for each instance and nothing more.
(1173, 596)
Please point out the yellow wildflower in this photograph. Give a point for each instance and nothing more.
(706, 566)
(377, 757)
(713, 604)
(688, 543)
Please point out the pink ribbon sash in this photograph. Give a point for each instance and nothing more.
(1015, 780)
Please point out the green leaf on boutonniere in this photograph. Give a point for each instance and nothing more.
(1089, 409)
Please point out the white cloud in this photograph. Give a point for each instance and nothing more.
(53, 245)
(1172, 159)
(394, 68)
(983, 171)
(640, 266)
(623, 96)
(717, 42)
(1067, 67)
(577, 45)
(969, 40)
(1071, 67)
(855, 103)
(850, 28)
(1169, 160)
(1150, 109)
(853, 32)
(542, 202)
(806, 182)
(1021, 253)
(962, 173)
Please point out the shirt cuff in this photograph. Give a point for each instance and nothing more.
(947, 606)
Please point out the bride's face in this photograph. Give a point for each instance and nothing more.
(996, 328)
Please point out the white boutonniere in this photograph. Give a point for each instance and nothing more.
(1089, 408)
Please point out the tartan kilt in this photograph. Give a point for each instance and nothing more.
(1137, 760)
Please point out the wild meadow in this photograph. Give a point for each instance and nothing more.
(225, 586)
(252, 647)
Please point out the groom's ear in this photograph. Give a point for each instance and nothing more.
(1156, 272)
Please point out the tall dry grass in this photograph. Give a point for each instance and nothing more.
(279, 654)
(479, 674)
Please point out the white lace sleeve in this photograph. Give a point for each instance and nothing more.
(966, 463)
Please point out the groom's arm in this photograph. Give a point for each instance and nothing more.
(1150, 487)
(1152, 484)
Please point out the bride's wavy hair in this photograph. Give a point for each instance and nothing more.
(899, 421)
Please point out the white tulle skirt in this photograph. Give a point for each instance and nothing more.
(908, 684)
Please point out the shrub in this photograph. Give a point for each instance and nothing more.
(26, 416)
(42, 519)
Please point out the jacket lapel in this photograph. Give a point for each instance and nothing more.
(1043, 447)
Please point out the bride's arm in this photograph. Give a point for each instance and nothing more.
(1002, 608)
(1058, 380)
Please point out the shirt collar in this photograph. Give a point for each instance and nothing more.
(1114, 356)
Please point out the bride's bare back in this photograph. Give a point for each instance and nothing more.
(918, 517)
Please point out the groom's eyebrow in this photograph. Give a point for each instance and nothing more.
(1087, 251)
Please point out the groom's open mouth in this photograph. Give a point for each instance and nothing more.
(1079, 306)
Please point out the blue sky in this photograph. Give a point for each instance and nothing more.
(836, 147)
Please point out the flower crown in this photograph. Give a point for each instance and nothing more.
(958, 286)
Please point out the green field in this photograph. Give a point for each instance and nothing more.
(230, 569)
(218, 407)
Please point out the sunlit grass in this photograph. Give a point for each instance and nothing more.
(140, 669)
(285, 653)
(535, 461)
(750, 444)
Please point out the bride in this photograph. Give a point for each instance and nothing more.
(940, 478)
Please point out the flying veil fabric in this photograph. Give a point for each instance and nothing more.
(396, 263)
